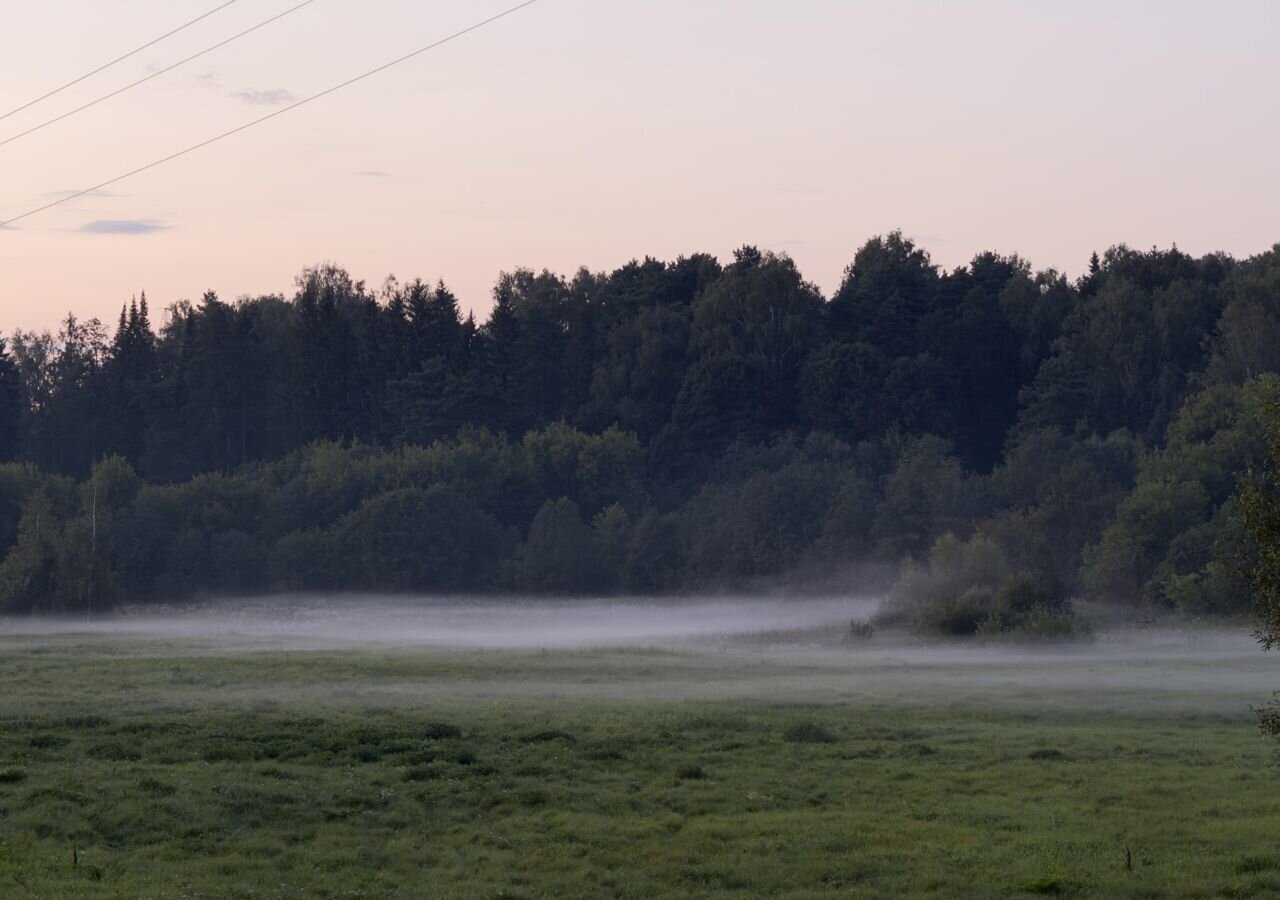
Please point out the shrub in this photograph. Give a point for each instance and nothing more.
(1042, 622)
(957, 616)
(861, 630)
(970, 589)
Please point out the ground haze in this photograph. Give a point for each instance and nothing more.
(659, 749)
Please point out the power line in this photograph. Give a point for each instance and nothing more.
(156, 74)
(278, 112)
(118, 59)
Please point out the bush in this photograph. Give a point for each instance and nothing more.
(958, 616)
(861, 630)
(1037, 623)
(970, 589)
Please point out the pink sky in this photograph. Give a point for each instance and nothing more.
(588, 132)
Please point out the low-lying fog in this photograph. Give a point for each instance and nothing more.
(809, 625)
(746, 623)
(783, 649)
(465, 623)
(508, 624)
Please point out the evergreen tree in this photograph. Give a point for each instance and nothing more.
(130, 371)
(10, 405)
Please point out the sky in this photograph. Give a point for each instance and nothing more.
(591, 132)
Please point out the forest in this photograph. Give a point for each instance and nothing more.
(991, 442)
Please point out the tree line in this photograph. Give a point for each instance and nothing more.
(665, 427)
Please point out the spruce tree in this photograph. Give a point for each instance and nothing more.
(10, 405)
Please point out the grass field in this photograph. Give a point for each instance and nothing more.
(142, 767)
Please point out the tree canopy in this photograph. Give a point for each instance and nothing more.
(666, 426)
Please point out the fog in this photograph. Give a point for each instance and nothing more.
(778, 650)
(465, 623)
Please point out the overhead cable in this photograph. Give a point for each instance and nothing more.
(156, 74)
(118, 59)
(279, 112)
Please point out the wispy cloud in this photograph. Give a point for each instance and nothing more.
(273, 97)
(374, 174)
(123, 226)
(209, 79)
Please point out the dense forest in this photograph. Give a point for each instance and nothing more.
(1025, 438)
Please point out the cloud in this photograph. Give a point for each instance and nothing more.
(123, 226)
(374, 174)
(209, 79)
(273, 97)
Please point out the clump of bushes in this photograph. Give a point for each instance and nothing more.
(971, 589)
(861, 630)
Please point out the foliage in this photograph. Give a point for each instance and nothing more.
(927, 493)
(1173, 532)
(970, 588)
(1260, 511)
(560, 555)
(710, 424)
(421, 540)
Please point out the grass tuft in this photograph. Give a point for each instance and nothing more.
(1256, 865)
(546, 737)
(808, 733)
(1047, 885)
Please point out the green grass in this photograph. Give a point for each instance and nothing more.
(139, 769)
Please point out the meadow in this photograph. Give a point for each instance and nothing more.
(152, 766)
